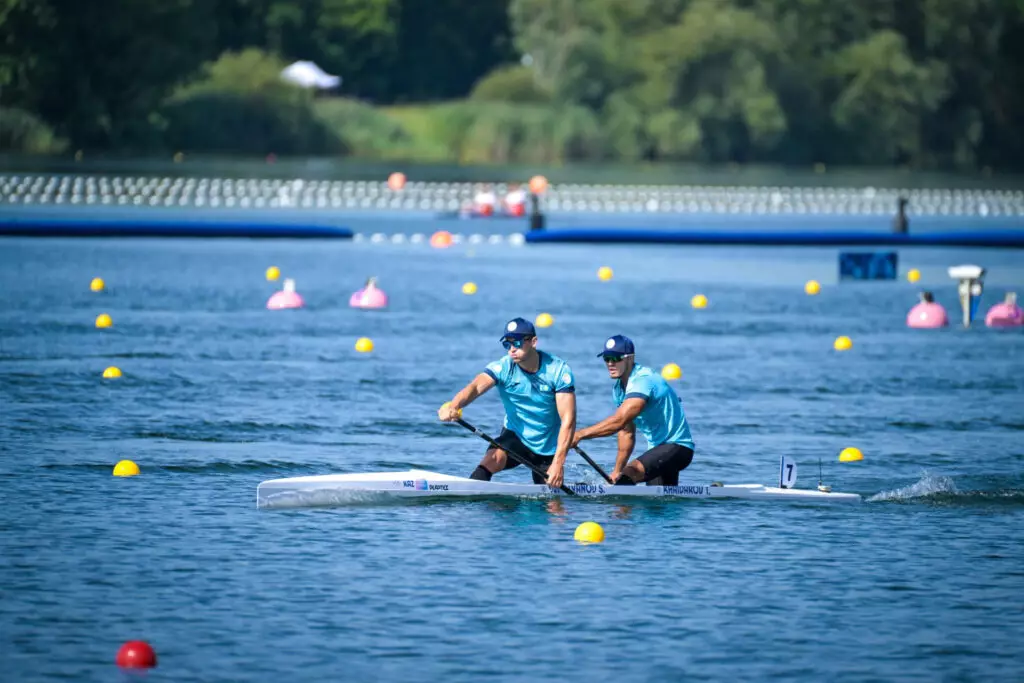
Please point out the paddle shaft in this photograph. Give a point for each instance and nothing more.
(594, 465)
(515, 456)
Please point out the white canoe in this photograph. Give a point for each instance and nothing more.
(376, 487)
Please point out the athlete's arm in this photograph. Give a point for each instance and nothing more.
(627, 440)
(565, 401)
(472, 391)
(626, 413)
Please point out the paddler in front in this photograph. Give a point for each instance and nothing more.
(643, 399)
(538, 392)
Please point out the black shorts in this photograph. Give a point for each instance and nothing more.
(662, 464)
(509, 441)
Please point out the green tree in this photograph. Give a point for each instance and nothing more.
(356, 39)
(707, 85)
(98, 72)
(883, 98)
(240, 104)
(446, 46)
(981, 44)
(510, 83)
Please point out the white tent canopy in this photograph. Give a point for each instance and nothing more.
(309, 75)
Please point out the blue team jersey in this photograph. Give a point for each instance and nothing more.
(529, 399)
(662, 420)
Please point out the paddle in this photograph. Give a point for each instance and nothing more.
(512, 454)
(595, 465)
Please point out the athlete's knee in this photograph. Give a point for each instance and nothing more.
(494, 460)
(686, 460)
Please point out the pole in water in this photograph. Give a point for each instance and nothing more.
(969, 289)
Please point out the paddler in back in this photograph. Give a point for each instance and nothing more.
(643, 400)
(537, 390)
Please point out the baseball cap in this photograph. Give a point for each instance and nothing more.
(517, 328)
(617, 346)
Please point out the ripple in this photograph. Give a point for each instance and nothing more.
(942, 490)
(219, 394)
(186, 467)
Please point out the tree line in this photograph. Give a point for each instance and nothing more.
(935, 84)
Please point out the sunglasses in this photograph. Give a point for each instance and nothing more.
(516, 343)
(613, 359)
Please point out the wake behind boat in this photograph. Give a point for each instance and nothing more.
(382, 487)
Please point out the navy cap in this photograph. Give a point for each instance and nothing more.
(617, 346)
(517, 328)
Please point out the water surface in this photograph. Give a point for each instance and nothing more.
(922, 582)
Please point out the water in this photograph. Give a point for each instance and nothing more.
(924, 581)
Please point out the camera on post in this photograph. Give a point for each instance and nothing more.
(970, 289)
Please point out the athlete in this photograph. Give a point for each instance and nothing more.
(538, 392)
(643, 399)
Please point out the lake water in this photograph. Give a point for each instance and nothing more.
(922, 582)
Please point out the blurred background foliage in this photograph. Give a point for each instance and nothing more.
(924, 84)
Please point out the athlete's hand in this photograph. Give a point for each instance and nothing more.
(448, 414)
(575, 440)
(614, 476)
(556, 474)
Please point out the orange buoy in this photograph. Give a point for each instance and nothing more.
(136, 654)
(538, 184)
(396, 181)
(441, 239)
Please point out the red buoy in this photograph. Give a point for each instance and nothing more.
(136, 654)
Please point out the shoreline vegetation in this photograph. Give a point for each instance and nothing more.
(924, 85)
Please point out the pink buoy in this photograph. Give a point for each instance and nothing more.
(286, 298)
(927, 314)
(369, 296)
(1005, 314)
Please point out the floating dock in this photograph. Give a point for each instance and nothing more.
(1002, 238)
(33, 226)
(100, 205)
(798, 230)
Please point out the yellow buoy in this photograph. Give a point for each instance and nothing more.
(604, 273)
(850, 454)
(842, 343)
(273, 272)
(469, 288)
(178, 157)
(364, 345)
(447, 404)
(913, 275)
(589, 532)
(126, 468)
(104, 320)
(699, 301)
(812, 287)
(544, 320)
(97, 284)
(112, 372)
(671, 371)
